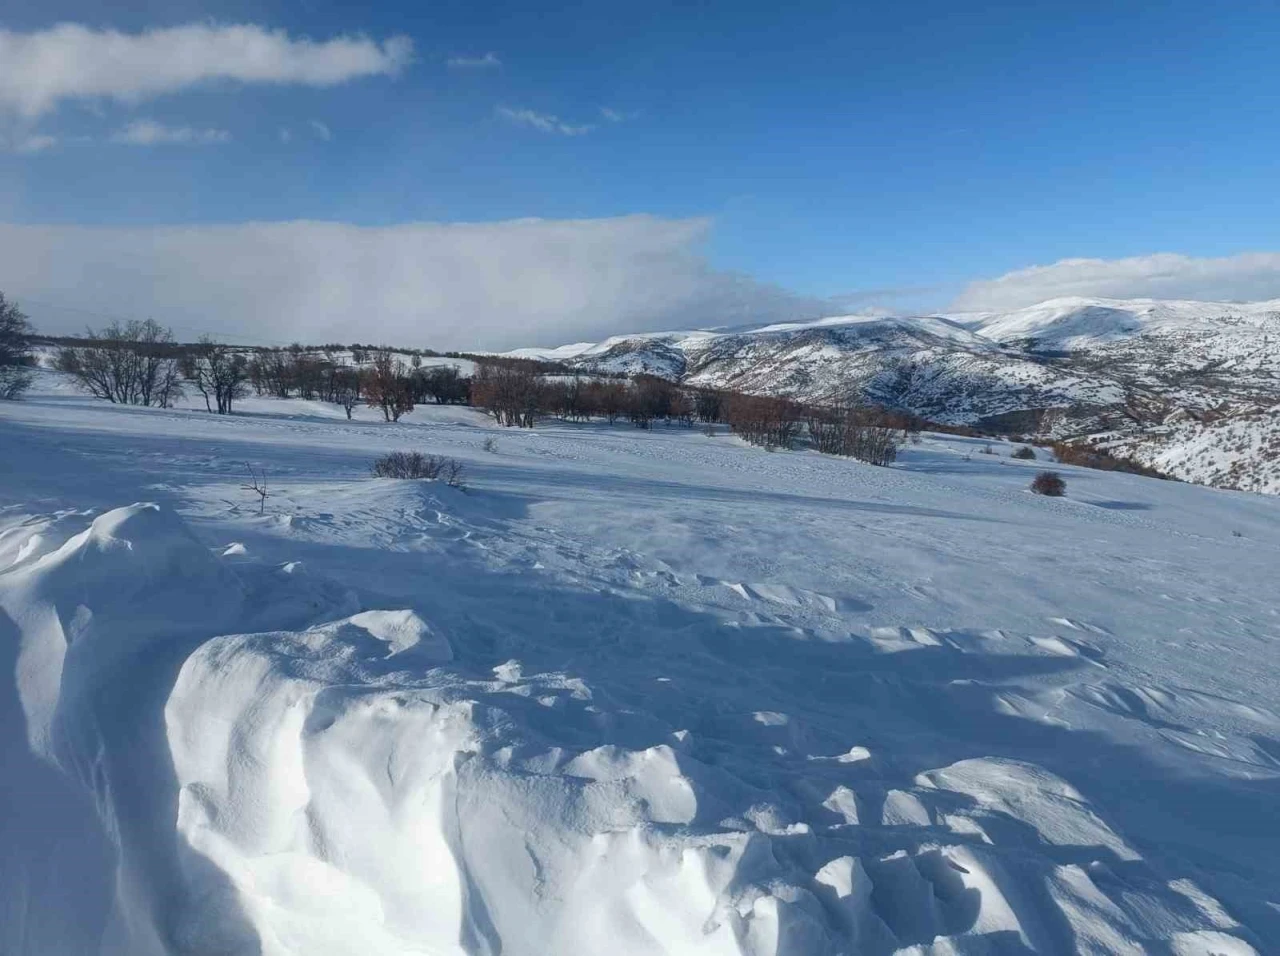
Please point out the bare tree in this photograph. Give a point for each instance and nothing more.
(509, 391)
(218, 372)
(257, 483)
(345, 389)
(131, 363)
(15, 351)
(444, 384)
(387, 386)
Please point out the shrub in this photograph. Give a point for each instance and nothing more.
(1025, 453)
(415, 465)
(1102, 460)
(1050, 484)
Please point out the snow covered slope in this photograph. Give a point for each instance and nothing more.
(1075, 323)
(1123, 368)
(634, 692)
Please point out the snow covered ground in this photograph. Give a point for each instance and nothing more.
(630, 693)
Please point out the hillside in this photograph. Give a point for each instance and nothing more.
(635, 692)
(1123, 371)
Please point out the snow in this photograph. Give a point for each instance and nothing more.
(1075, 322)
(633, 692)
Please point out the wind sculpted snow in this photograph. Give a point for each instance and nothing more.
(635, 692)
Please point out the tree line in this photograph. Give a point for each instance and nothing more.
(140, 363)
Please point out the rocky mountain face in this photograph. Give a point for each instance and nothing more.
(1191, 388)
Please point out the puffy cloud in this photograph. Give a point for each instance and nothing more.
(145, 132)
(72, 61)
(487, 62)
(546, 122)
(447, 286)
(1247, 277)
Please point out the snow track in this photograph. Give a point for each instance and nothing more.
(635, 693)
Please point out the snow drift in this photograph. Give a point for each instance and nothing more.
(338, 788)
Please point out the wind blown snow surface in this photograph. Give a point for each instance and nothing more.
(630, 693)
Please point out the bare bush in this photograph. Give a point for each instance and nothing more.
(490, 445)
(1102, 460)
(1049, 484)
(1025, 454)
(415, 465)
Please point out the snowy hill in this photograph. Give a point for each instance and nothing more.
(1124, 369)
(633, 692)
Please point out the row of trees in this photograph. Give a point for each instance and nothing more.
(139, 363)
(15, 351)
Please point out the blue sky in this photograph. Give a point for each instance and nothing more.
(881, 154)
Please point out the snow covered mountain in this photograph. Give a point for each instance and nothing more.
(1123, 371)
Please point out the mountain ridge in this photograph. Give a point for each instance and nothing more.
(1146, 376)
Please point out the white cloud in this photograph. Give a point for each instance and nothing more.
(26, 143)
(487, 62)
(1249, 276)
(617, 116)
(321, 130)
(546, 122)
(72, 61)
(490, 285)
(145, 132)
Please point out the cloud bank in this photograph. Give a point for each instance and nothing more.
(445, 286)
(1253, 276)
(71, 61)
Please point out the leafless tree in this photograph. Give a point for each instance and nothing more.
(345, 389)
(15, 351)
(218, 372)
(386, 385)
(257, 483)
(130, 363)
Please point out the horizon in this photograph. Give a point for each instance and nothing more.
(497, 178)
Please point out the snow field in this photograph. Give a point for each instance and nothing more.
(634, 692)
